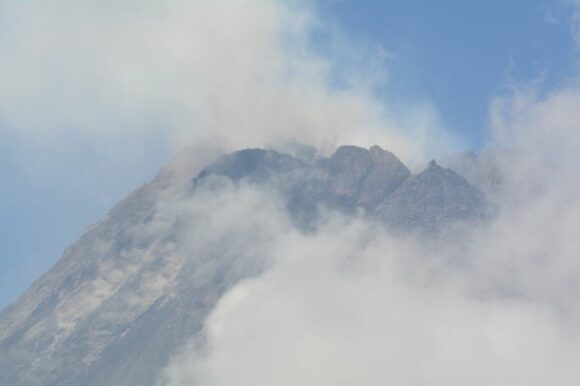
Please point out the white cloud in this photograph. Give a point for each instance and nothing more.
(183, 71)
(350, 304)
(347, 304)
(96, 95)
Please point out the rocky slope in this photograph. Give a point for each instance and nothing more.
(138, 284)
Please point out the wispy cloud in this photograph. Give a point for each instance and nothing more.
(183, 71)
(350, 304)
(97, 95)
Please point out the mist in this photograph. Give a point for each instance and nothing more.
(348, 302)
(188, 71)
(97, 96)
(353, 303)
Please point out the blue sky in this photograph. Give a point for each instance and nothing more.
(456, 55)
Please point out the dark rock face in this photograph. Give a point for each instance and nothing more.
(134, 288)
(364, 177)
(432, 199)
(354, 177)
(256, 165)
(387, 174)
(351, 177)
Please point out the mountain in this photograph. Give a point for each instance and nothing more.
(138, 284)
(430, 200)
(364, 177)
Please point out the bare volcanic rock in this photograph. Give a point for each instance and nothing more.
(138, 284)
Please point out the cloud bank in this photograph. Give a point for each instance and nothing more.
(349, 303)
(97, 95)
(244, 73)
(352, 304)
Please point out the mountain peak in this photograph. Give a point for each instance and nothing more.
(349, 158)
(350, 149)
(160, 286)
(364, 177)
(432, 199)
(256, 164)
(376, 149)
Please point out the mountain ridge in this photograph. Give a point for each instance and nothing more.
(140, 282)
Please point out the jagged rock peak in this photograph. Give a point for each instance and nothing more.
(376, 150)
(257, 163)
(142, 281)
(431, 199)
(350, 149)
(353, 150)
(350, 156)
